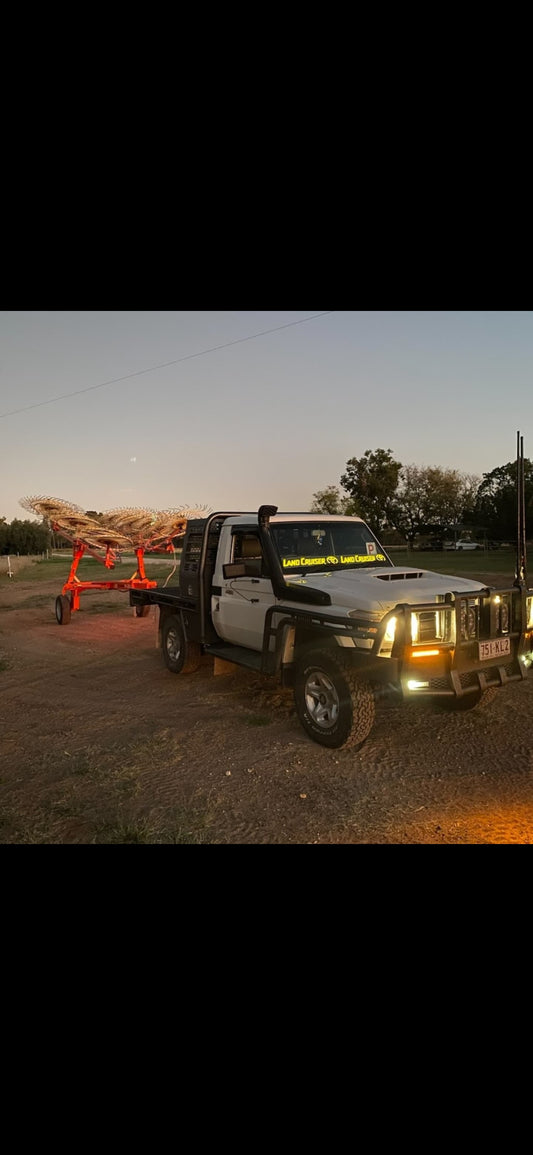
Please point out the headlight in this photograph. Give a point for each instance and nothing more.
(431, 626)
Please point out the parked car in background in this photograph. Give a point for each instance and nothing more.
(462, 544)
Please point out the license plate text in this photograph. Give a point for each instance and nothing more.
(495, 648)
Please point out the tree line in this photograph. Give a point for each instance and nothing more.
(420, 501)
(24, 537)
(414, 500)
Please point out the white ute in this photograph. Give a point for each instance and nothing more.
(316, 600)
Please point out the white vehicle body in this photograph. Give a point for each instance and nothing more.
(462, 544)
(240, 607)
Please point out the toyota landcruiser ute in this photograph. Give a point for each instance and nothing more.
(315, 601)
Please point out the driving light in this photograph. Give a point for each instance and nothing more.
(412, 685)
(468, 619)
(529, 613)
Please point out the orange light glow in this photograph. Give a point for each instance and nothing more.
(425, 653)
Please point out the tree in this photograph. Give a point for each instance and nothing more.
(470, 485)
(330, 500)
(496, 502)
(430, 499)
(24, 537)
(371, 481)
(450, 498)
(409, 508)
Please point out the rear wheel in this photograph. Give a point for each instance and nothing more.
(180, 655)
(63, 610)
(335, 707)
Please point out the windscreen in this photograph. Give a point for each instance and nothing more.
(317, 547)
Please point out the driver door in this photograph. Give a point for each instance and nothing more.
(239, 610)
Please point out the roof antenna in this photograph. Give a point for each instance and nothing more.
(521, 567)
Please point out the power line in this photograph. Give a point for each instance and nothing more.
(165, 364)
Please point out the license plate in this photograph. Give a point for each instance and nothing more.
(494, 649)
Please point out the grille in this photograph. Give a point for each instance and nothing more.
(492, 675)
(439, 684)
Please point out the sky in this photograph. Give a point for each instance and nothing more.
(234, 409)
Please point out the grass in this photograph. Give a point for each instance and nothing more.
(58, 568)
(31, 603)
(92, 794)
(143, 832)
(459, 562)
(124, 832)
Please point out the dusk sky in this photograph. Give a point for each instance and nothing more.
(269, 419)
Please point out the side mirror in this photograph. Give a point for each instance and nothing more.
(234, 569)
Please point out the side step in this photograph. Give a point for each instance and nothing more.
(252, 659)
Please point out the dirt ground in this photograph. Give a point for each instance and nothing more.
(100, 744)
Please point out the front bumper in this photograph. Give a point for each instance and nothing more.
(454, 668)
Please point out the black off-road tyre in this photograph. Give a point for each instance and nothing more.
(335, 707)
(180, 655)
(478, 698)
(142, 611)
(63, 610)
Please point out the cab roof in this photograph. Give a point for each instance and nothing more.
(279, 518)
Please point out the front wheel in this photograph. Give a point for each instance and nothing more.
(335, 707)
(63, 610)
(180, 655)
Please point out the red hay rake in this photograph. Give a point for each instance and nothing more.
(143, 530)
